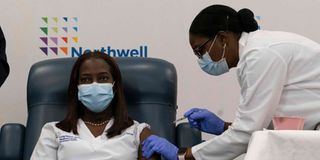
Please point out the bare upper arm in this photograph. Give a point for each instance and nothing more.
(145, 133)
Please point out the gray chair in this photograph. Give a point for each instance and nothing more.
(150, 87)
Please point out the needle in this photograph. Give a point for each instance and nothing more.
(179, 119)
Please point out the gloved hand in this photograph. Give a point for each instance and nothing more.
(159, 145)
(205, 121)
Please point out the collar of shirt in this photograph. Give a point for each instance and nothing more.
(242, 43)
(85, 133)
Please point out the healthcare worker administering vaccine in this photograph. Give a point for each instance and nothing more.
(278, 72)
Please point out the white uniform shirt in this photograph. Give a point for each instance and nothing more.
(56, 144)
(279, 75)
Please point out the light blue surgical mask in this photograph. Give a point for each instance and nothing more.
(96, 96)
(213, 67)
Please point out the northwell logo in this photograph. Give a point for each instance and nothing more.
(59, 36)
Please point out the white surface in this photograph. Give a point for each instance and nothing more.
(284, 145)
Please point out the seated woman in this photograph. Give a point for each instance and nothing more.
(97, 125)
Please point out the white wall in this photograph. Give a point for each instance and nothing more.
(162, 26)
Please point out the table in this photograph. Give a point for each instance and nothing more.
(284, 145)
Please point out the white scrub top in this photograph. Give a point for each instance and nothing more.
(56, 144)
(279, 75)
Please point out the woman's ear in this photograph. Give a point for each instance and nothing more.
(222, 38)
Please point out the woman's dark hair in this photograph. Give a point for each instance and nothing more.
(76, 108)
(217, 18)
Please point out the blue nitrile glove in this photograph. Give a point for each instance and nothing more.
(205, 121)
(159, 145)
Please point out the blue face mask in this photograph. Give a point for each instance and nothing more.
(95, 96)
(213, 67)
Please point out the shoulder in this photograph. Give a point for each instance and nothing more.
(49, 131)
(260, 46)
(273, 39)
(259, 60)
(263, 56)
(138, 127)
(139, 130)
(50, 127)
(143, 130)
(136, 123)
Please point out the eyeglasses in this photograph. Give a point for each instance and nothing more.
(198, 49)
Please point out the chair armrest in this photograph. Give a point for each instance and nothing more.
(11, 141)
(187, 136)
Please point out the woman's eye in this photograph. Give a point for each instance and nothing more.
(85, 80)
(104, 78)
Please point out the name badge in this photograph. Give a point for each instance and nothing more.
(67, 138)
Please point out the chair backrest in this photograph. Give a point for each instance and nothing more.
(150, 87)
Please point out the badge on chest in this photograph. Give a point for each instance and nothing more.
(67, 138)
